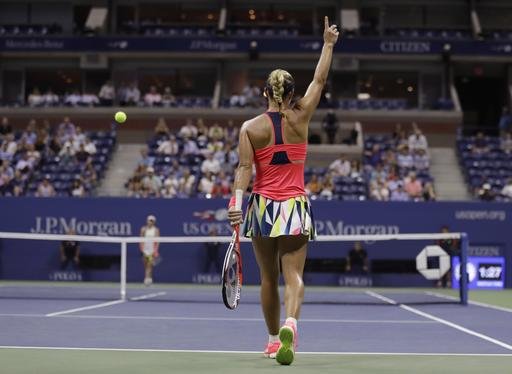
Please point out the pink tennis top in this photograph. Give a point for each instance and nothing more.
(280, 166)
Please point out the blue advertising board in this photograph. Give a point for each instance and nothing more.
(384, 46)
(483, 272)
(487, 224)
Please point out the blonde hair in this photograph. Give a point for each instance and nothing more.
(280, 83)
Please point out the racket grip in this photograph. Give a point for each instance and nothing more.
(239, 194)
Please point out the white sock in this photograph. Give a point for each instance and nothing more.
(292, 320)
(273, 338)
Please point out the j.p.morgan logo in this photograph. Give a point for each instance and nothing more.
(61, 225)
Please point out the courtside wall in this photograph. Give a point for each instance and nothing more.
(489, 226)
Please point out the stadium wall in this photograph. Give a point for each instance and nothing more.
(488, 226)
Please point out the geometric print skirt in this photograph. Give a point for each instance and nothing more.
(267, 217)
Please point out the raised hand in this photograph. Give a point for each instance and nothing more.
(331, 33)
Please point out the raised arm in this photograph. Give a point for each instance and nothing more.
(310, 100)
(243, 173)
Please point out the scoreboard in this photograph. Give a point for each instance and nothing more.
(483, 272)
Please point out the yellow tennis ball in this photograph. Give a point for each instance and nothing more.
(120, 117)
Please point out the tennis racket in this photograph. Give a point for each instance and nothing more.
(232, 268)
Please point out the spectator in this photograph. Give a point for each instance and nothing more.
(5, 127)
(73, 99)
(67, 129)
(50, 99)
(29, 136)
(146, 160)
(355, 169)
(67, 153)
(69, 253)
(210, 164)
(17, 184)
(327, 188)
(78, 189)
(35, 99)
(42, 140)
(507, 189)
(24, 164)
(340, 166)
(152, 182)
(168, 98)
(89, 176)
(505, 120)
(8, 148)
(353, 135)
(485, 193)
(222, 185)
(212, 254)
(216, 133)
(379, 173)
(374, 156)
(149, 250)
(33, 155)
(89, 146)
(429, 194)
(153, 97)
(480, 144)
(330, 125)
(82, 156)
(168, 147)
(404, 159)
(417, 140)
(231, 132)
(121, 94)
(237, 99)
(89, 99)
(78, 139)
(379, 190)
(190, 147)
(314, 187)
(506, 143)
(107, 94)
(413, 187)
(45, 188)
(132, 95)
(169, 191)
(188, 130)
(161, 128)
(357, 260)
(206, 183)
(421, 160)
(186, 183)
(399, 194)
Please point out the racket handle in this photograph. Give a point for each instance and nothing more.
(239, 194)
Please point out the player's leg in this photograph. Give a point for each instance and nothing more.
(292, 251)
(266, 254)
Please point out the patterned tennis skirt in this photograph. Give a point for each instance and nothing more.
(266, 217)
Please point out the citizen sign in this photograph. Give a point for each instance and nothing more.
(405, 47)
(60, 225)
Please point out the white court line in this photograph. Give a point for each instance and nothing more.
(171, 318)
(148, 296)
(478, 303)
(443, 321)
(258, 352)
(95, 306)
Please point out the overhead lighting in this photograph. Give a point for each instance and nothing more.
(251, 11)
(252, 17)
(410, 89)
(210, 16)
(363, 96)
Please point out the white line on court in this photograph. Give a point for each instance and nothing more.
(259, 352)
(148, 296)
(443, 321)
(95, 306)
(171, 318)
(478, 303)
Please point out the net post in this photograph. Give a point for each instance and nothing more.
(463, 289)
(123, 270)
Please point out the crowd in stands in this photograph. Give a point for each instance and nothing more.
(45, 160)
(487, 163)
(109, 95)
(397, 166)
(197, 160)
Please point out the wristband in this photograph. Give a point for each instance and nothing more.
(232, 202)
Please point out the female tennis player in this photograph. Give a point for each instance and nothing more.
(278, 217)
(149, 249)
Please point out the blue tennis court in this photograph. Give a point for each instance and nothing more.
(191, 320)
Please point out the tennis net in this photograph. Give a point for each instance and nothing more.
(408, 267)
